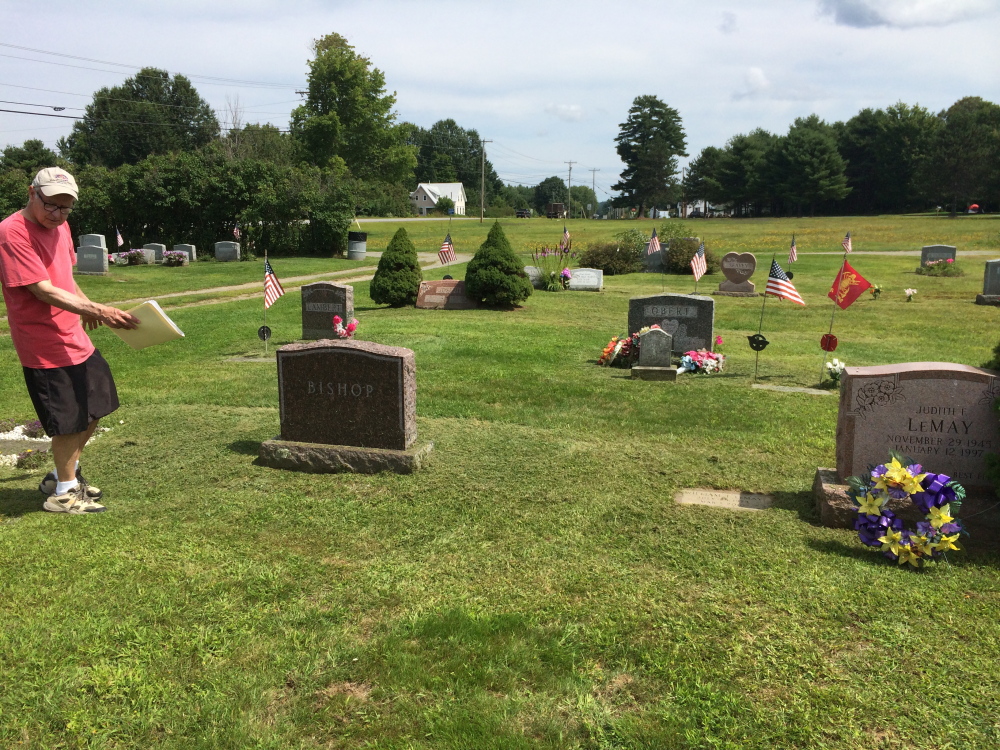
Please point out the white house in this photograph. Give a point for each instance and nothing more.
(426, 196)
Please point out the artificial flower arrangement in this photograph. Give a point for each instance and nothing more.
(935, 495)
(875, 290)
(174, 258)
(702, 361)
(909, 294)
(835, 368)
(623, 351)
(342, 331)
(943, 267)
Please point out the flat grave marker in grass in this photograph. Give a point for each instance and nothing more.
(444, 294)
(724, 499)
(688, 318)
(346, 406)
(320, 302)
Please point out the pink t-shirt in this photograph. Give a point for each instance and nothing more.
(44, 336)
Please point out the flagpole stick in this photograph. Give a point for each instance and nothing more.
(760, 326)
(265, 303)
(836, 285)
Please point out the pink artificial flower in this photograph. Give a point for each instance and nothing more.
(337, 320)
(352, 326)
(718, 340)
(951, 260)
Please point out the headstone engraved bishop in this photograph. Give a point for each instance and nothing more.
(320, 302)
(688, 318)
(346, 406)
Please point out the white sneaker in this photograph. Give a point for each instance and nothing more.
(73, 501)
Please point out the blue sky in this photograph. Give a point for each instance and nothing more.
(547, 82)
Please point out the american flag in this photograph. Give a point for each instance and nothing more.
(654, 244)
(236, 232)
(272, 287)
(119, 239)
(565, 238)
(698, 266)
(447, 251)
(779, 285)
(847, 243)
(793, 252)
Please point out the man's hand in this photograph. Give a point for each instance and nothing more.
(92, 314)
(90, 322)
(112, 317)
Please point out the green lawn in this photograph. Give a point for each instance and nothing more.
(535, 585)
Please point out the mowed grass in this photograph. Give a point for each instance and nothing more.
(535, 585)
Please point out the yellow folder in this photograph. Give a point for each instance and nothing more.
(154, 327)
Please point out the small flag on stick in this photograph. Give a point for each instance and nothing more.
(847, 243)
(118, 237)
(848, 286)
(447, 252)
(654, 244)
(778, 285)
(272, 287)
(793, 252)
(565, 239)
(236, 232)
(698, 265)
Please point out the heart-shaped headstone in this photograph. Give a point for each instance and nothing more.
(739, 267)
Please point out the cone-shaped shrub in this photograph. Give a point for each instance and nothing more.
(397, 279)
(495, 275)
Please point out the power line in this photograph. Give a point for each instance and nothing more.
(116, 122)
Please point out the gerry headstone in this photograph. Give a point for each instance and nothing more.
(227, 251)
(320, 302)
(688, 318)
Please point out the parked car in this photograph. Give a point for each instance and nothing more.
(523, 213)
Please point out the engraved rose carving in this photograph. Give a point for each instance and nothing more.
(877, 394)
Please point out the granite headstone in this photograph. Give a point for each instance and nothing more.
(938, 413)
(688, 318)
(655, 347)
(92, 260)
(352, 393)
(93, 240)
(586, 280)
(445, 294)
(991, 277)
(226, 251)
(738, 268)
(936, 252)
(192, 253)
(320, 302)
(157, 249)
(534, 276)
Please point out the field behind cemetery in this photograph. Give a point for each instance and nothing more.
(535, 585)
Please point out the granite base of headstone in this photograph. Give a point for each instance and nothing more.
(190, 250)
(158, 250)
(936, 253)
(988, 299)
(688, 318)
(92, 260)
(320, 302)
(655, 350)
(346, 406)
(227, 251)
(445, 294)
(743, 289)
(586, 280)
(93, 240)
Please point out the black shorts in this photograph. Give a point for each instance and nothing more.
(67, 399)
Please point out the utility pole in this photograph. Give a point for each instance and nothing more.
(593, 184)
(569, 188)
(482, 180)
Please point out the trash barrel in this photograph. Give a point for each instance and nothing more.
(357, 245)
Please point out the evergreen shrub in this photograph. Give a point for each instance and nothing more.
(681, 250)
(495, 275)
(397, 278)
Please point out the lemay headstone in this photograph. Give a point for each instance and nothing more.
(346, 406)
(226, 251)
(444, 294)
(320, 302)
(688, 318)
(991, 284)
(938, 413)
(586, 280)
(936, 252)
(191, 251)
(738, 268)
(655, 347)
(157, 249)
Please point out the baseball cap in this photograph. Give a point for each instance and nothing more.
(54, 181)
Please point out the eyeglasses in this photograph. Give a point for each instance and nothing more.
(54, 207)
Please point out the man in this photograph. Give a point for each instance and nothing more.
(68, 380)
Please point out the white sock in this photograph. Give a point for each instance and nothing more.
(63, 487)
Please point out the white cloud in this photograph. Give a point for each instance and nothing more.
(905, 14)
(755, 85)
(728, 24)
(566, 112)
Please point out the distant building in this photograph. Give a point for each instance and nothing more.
(427, 194)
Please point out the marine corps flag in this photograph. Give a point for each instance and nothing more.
(848, 286)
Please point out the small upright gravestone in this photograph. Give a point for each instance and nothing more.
(157, 249)
(936, 252)
(92, 260)
(655, 349)
(226, 251)
(320, 302)
(191, 251)
(688, 318)
(586, 280)
(446, 294)
(738, 268)
(938, 413)
(991, 284)
(346, 406)
(93, 240)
